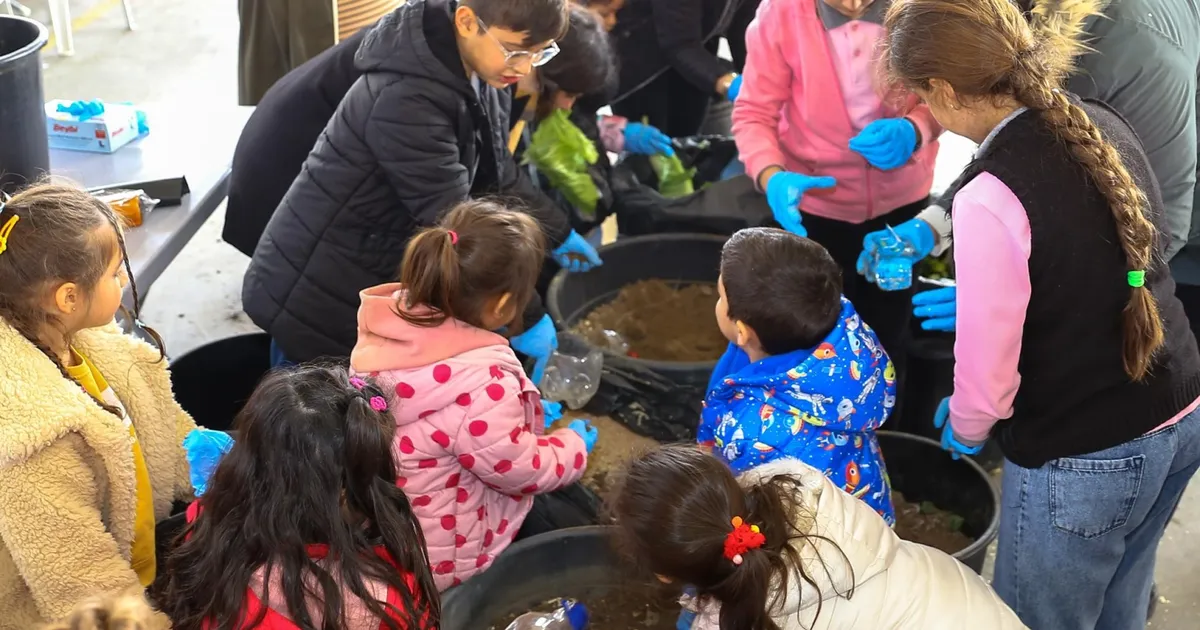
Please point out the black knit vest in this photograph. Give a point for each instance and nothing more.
(1075, 397)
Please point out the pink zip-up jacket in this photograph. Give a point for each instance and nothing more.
(793, 112)
(469, 447)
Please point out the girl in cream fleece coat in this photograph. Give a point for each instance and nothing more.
(782, 548)
(90, 435)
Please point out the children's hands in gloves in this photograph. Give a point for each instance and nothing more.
(586, 431)
(950, 442)
(644, 139)
(576, 254)
(784, 192)
(938, 307)
(915, 231)
(538, 342)
(886, 143)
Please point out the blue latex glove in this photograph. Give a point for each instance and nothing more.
(784, 192)
(686, 620)
(586, 431)
(644, 139)
(735, 88)
(552, 411)
(83, 110)
(949, 441)
(576, 254)
(938, 307)
(204, 449)
(915, 231)
(538, 342)
(886, 143)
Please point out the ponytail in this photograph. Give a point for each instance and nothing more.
(674, 511)
(481, 250)
(1038, 69)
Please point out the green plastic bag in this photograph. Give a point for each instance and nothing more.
(562, 153)
(673, 179)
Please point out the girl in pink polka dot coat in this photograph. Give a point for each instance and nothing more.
(469, 439)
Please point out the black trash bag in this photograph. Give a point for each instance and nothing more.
(575, 505)
(709, 155)
(646, 402)
(722, 207)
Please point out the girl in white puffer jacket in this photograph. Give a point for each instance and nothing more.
(782, 548)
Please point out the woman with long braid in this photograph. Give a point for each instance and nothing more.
(1072, 351)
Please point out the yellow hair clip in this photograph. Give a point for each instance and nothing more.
(6, 231)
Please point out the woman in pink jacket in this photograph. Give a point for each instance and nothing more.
(837, 156)
(469, 445)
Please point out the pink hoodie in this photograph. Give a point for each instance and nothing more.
(792, 113)
(468, 432)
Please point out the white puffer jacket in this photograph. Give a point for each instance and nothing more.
(898, 585)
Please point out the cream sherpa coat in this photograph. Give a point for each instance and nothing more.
(66, 471)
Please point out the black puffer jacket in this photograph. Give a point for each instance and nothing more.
(410, 139)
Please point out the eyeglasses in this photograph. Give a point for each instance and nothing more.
(514, 58)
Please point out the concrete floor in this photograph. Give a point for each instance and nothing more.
(184, 56)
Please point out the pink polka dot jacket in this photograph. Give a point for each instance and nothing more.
(469, 443)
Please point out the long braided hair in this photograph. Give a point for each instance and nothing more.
(988, 49)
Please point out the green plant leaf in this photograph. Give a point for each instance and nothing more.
(673, 179)
(562, 152)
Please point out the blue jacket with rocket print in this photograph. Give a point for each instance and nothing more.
(821, 405)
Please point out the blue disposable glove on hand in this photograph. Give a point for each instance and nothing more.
(538, 342)
(949, 441)
(586, 431)
(735, 88)
(915, 231)
(204, 449)
(644, 139)
(938, 307)
(552, 411)
(886, 143)
(576, 254)
(784, 192)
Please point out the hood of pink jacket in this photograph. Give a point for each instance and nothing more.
(387, 342)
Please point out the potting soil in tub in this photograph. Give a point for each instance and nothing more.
(660, 322)
(924, 523)
(628, 608)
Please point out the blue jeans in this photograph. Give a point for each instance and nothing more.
(1078, 535)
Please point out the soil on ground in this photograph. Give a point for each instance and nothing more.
(615, 446)
(628, 608)
(660, 322)
(929, 525)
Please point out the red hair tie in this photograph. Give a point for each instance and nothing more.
(453, 237)
(743, 538)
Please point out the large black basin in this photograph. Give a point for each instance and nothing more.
(675, 258)
(214, 381)
(24, 148)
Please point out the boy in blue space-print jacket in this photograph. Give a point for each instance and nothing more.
(804, 376)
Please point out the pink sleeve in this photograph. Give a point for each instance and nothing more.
(927, 126)
(496, 440)
(991, 259)
(766, 86)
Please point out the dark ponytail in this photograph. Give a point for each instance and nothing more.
(312, 466)
(674, 509)
(479, 251)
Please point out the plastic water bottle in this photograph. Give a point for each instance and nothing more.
(571, 615)
(893, 263)
(572, 379)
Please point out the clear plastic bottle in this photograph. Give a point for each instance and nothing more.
(892, 264)
(571, 615)
(572, 378)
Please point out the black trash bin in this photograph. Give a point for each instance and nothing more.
(24, 151)
(922, 471)
(213, 382)
(675, 258)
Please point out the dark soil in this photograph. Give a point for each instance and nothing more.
(629, 608)
(928, 525)
(616, 446)
(660, 322)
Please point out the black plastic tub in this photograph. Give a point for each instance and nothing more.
(576, 562)
(922, 471)
(213, 382)
(675, 258)
(24, 148)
